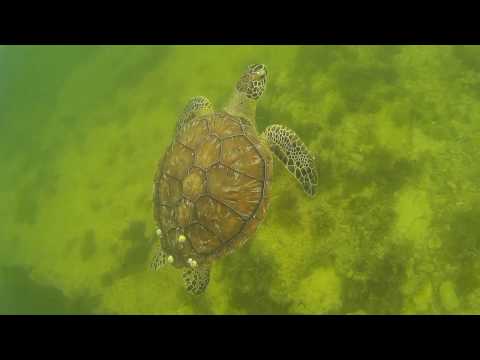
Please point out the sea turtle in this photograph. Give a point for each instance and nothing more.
(211, 189)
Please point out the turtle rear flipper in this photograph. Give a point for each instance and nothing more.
(196, 279)
(159, 260)
(197, 106)
(291, 150)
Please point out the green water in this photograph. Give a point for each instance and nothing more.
(393, 229)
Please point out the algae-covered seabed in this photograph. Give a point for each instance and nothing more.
(394, 228)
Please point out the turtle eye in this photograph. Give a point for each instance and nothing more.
(259, 71)
(260, 74)
(254, 68)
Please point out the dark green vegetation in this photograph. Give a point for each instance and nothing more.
(393, 229)
(136, 258)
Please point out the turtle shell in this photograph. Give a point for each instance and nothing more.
(212, 187)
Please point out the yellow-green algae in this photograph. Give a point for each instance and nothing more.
(394, 227)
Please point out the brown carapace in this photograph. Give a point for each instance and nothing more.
(212, 187)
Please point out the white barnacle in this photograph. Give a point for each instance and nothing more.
(159, 232)
(192, 263)
(170, 259)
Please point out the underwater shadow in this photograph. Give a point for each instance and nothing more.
(22, 295)
(137, 256)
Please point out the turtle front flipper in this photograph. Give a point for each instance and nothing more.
(196, 279)
(291, 150)
(197, 106)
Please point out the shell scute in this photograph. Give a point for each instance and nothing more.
(212, 187)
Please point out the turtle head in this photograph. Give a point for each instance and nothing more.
(253, 81)
(249, 88)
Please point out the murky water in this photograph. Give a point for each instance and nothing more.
(393, 229)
